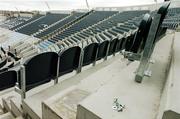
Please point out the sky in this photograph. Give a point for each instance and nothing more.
(28, 5)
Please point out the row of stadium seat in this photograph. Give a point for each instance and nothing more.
(85, 22)
(33, 18)
(42, 23)
(60, 24)
(172, 20)
(99, 28)
(105, 30)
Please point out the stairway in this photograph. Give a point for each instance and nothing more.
(8, 115)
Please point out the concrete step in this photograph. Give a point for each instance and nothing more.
(1, 110)
(6, 98)
(20, 117)
(16, 108)
(171, 102)
(7, 116)
(63, 105)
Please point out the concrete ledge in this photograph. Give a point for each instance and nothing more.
(172, 104)
(64, 105)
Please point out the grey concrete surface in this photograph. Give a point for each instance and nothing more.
(172, 105)
(141, 100)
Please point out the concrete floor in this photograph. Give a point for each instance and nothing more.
(141, 100)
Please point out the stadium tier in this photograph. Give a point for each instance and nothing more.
(98, 33)
(41, 49)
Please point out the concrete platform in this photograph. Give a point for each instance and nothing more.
(141, 100)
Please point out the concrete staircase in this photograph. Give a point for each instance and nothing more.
(4, 114)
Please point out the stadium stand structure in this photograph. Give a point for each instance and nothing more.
(62, 43)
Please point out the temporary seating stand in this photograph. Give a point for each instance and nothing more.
(145, 56)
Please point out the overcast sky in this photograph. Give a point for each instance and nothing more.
(66, 4)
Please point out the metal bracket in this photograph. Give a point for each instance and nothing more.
(148, 49)
(117, 106)
(131, 55)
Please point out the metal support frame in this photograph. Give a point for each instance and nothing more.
(145, 56)
(81, 58)
(57, 73)
(22, 88)
(23, 82)
(107, 51)
(94, 63)
(148, 49)
(131, 56)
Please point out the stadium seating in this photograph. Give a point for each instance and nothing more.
(39, 70)
(141, 35)
(8, 79)
(90, 54)
(172, 19)
(26, 22)
(89, 20)
(102, 50)
(42, 23)
(60, 24)
(69, 60)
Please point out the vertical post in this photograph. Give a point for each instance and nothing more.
(80, 61)
(94, 63)
(23, 82)
(144, 62)
(117, 43)
(57, 73)
(107, 51)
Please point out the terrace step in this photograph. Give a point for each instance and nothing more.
(6, 98)
(7, 116)
(63, 106)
